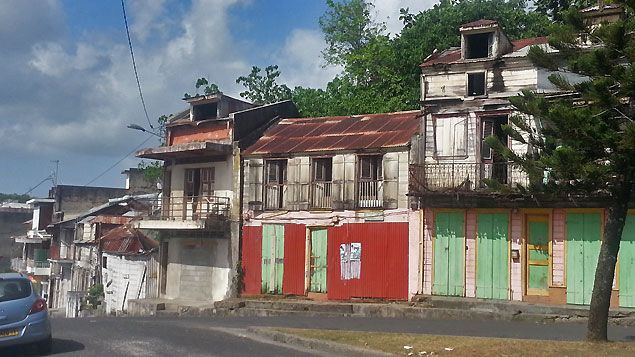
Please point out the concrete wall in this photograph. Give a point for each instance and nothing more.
(73, 200)
(223, 184)
(123, 280)
(198, 268)
(11, 224)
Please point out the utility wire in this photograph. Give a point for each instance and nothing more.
(134, 64)
(119, 161)
(49, 177)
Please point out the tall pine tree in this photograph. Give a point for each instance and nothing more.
(587, 138)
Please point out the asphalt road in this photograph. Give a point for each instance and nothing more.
(228, 336)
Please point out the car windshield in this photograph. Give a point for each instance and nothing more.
(14, 289)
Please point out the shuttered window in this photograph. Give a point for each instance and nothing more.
(370, 167)
(450, 134)
(323, 170)
(488, 130)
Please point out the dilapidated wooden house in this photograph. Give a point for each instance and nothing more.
(482, 243)
(326, 208)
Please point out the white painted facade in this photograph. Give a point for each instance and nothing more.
(124, 278)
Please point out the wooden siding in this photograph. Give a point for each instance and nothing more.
(507, 82)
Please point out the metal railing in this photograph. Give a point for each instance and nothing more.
(18, 265)
(188, 208)
(274, 196)
(321, 194)
(370, 193)
(464, 176)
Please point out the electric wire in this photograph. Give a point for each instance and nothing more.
(134, 65)
(49, 177)
(118, 161)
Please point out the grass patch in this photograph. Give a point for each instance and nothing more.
(465, 346)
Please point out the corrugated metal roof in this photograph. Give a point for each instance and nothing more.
(127, 241)
(453, 54)
(357, 132)
(480, 23)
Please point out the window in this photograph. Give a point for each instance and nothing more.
(450, 136)
(199, 182)
(475, 84)
(205, 111)
(323, 170)
(14, 289)
(104, 262)
(479, 45)
(370, 167)
(488, 130)
(275, 179)
(492, 126)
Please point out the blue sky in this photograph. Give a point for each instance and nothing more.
(69, 90)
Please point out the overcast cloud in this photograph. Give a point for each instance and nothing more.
(70, 96)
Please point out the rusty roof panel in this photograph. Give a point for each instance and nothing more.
(357, 132)
(127, 241)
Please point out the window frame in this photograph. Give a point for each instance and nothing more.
(465, 118)
(467, 84)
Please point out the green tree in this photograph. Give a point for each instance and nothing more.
(587, 142)
(347, 27)
(263, 89)
(556, 8)
(14, 197)
(208, 88)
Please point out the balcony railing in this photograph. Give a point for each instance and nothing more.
(18, 265)
(321, 195)
(370, 193)
(464, 177)
(274, 196)
(188, 208)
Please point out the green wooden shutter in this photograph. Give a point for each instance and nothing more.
(449, 247)
(627, 263)
(492, 268)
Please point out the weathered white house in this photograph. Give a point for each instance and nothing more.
(480, 243)
(126, 258)
(198, 215)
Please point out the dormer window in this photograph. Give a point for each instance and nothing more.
(479, 45)
(205, 111)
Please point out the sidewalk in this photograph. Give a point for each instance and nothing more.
(423, 307)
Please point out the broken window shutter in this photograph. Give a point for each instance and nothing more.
(459, 124)
(439, 137)
(488, 130)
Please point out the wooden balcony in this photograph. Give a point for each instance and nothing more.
(370, 194)
(321, 195)
(463, 177)
(274, 196)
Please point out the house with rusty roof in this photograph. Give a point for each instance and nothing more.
(326, 209)
(128, 258)
(499, 244)
(197, 217)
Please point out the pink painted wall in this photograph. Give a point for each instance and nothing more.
(428, 228)
(415, 240)
(470, 253)
(516, 273)
(557, 247)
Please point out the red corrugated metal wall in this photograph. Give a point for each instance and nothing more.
(252, 260)
(384, 261)
(294, 257)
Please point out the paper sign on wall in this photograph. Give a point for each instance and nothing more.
(350, 260)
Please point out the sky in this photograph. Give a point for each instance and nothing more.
(67, 86)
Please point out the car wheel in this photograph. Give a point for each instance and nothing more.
(44, 347)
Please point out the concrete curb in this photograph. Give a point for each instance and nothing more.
(315, 344)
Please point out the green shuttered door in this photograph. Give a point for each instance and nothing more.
(449, 254)
(272, 258)
(627, 264)
(318, 260)
(492, 268)
(583, 249)
(538, 255)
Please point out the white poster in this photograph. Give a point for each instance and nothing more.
(350, 261)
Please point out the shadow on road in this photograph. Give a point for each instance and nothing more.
(60, 346)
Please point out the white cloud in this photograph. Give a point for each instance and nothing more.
(387, 11)
(301, 60)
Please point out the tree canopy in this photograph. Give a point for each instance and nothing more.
(381, 71)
